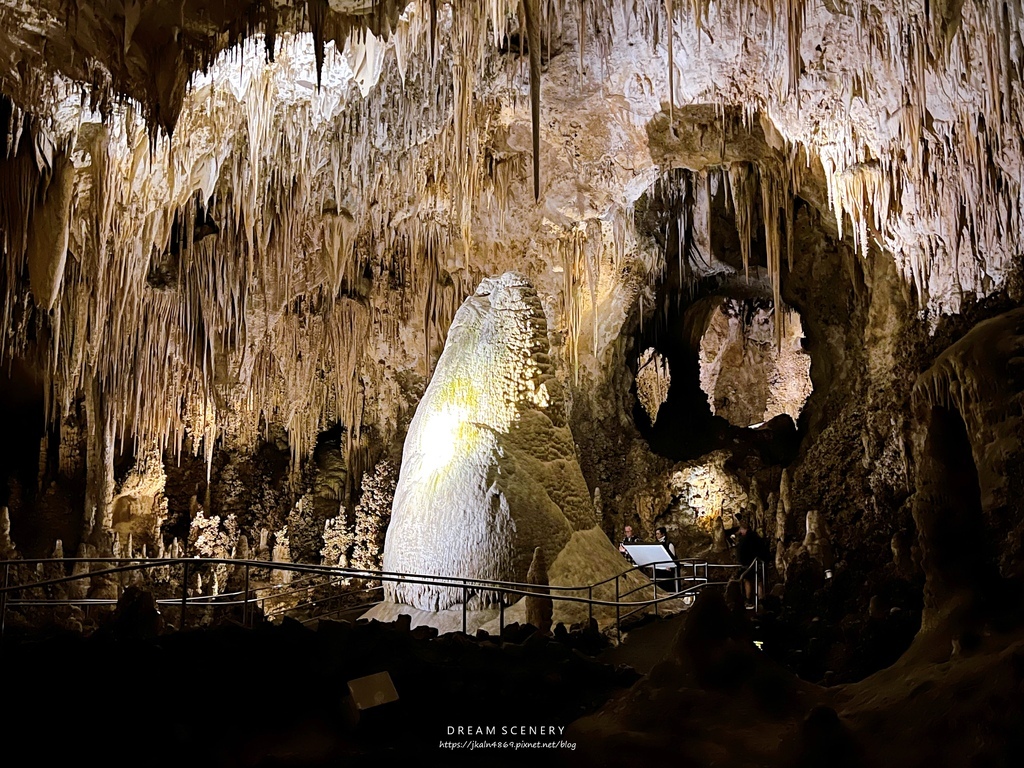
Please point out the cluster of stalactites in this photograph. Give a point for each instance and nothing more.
(970, 164)
(935, 182)
(270, 320)
(757, 193)
(954, 184)
(587, 251)
(231, 278)
(653, 379)
(189, 315)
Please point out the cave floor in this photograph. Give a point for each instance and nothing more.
(646, 645)
(277, 696)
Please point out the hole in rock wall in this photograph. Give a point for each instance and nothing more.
(692, 392)
(747, 378)
(960, 552)
(669, 408)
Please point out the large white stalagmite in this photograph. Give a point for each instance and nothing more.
(489, 470)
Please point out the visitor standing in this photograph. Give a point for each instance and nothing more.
(628, 538)
(750, 548)
(666, 572)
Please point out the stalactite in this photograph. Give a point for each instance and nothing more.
(742, 184)
(270, 30)
(794, 30)
(774, 198)
(532, 20)
(581, 24)
(670, 34)
(316, 11)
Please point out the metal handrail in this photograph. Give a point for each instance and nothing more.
(340, 609)
(355, 573)
(760, 577)
(313, 602)
(336, 573)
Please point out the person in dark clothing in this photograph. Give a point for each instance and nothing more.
(661, 535)
(750, 547)
(665, 573)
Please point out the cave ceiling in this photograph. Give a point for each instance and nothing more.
(225, 215)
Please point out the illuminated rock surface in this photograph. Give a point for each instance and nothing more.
(489, 471)
(748, 379)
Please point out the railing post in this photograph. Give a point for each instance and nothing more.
(590, 603)
(757, 568)
(245, 605)
(465, 598)
(501, 615)
(184, 593)
(3, 599)
(655, 582)
(757, 584)
(618, 611)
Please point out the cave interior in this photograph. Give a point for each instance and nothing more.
(465, 288)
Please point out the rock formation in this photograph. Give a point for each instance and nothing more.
(539, 606)
(967, 433)
(489, 472)
(8, 549)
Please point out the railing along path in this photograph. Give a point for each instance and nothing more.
(299, 595)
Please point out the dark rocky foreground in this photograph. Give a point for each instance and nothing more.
(277, 695)
(955, 698)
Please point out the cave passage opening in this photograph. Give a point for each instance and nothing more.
(747, 377)
(708, 364)
(960, 551)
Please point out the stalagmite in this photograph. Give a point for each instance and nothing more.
(539, 608)
(43, 451)
(816, 539)
(489, 472)
(8, 550)
(263, 550)
(782, 514)
(79, 587)
(281, 554)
